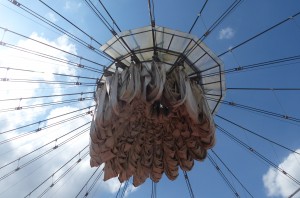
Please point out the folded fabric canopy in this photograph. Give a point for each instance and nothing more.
(148, 123)
(153, 116)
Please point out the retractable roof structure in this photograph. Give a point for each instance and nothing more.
(173, 48)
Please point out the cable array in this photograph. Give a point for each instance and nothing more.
(258, 135)
(257, 110)
(60, 29)
(45, 120)
(111, 28)
(153, 189)
(232, 137)
(37, 149)
(47, 56)
(235, 177)
(111, 24)
(92, 185)
(198, 15)
(265, 64)
(32, 132)
(43, 154)
(124, 189)
(223, 175)
(85, 185)
(47, 104)
(230, 9)
(62, 175)
(259, 34)
(188, 184)
(48, 96)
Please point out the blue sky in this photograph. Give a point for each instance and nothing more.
(248, 19)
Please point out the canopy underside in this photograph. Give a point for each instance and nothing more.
(173, 49)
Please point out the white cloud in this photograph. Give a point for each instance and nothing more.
(112, 185)
(72, 5)
(226, 33)
(278, 184)
(130, 189)
(20, 60)
(51, 17)
(32, 175)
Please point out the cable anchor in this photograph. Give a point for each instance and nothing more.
(90, 45)
(38, 129)
(79, 64)
(78, 83)
(15, 2)
(52, 181)
(18, 167)
(79, 160)
(81, 98)
(4, 31)
(56, 146)
(19, 107)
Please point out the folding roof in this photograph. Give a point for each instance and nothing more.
(173, 48)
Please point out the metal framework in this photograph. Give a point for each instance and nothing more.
(162, 42)
(173, 48)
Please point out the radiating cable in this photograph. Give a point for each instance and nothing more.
(37, 149)
(119, 190)
(240, 142)
(258, 135)
(51, 82)
(152, 23)
(257, 110)
(46, 96)
(45, 120)
(229, 10)
(94, 183)
(259, 34)
(51, 46)
(124, 189)
(62, 30)
(294, 193)
(243, 186)
(41, 128)
(47, 56)
(261, 89)
(114, 22)
(39, 167)
(18, 108)
(48, 45)
(246, 67)
(153, 189)
(223, 175)
(42, 154)
(188, 184)
(42, 72)
(198, 15)
(51, 176)
(112, 31)
(86, 183)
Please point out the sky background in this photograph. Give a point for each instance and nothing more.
(248, 19)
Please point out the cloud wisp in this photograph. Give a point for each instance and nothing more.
(277, 184)
(226, 33)
(72, 5)
(30, 176)
(51, 17)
